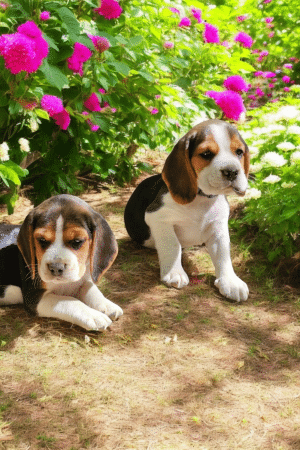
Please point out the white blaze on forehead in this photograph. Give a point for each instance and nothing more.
(221, 136)
(59, 231)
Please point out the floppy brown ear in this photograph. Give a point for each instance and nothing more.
(246, 161)
(26, 244)
(179, 174)
(104, 247)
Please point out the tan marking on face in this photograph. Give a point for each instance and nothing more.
(72, 233)
(236, 144)
(198, 162)
(47, 233)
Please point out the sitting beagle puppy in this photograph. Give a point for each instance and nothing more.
(186, 205)
(52, 262)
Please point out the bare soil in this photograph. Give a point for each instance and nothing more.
(182, 369)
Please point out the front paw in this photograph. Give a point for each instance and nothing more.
(176, 278)
(112, 310)
(232, 287)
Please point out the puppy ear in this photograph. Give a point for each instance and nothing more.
(246, 161)
(25, 243)
(178, 172)
(104, 247)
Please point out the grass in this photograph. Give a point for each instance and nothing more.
(180, 370)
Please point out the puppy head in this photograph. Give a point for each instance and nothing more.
(212, 157)
(63, 238)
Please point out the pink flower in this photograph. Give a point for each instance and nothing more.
(52, 104)
(211, 34)
(269, 74)
(24, 50)
(231, 104)
(185, 22)
(80, 55)
(213, 94)
(45, 15)
(226, 44)
(62, 119)
(154, 111)
(92, 103)
(236, 83)
(286, 79)
(102, 91)
(168, 44)
(197, 14)
(267, 1)
(110, 9)
(272, 34)
(269, 19)
(241, 18)
(174, 10)
(271, 85)
(258, 74)
(252, 97)
(100, 43)
(264, 53)
(259, 92)
(288, 66)
(286, 89)
(3, 5)
(244, 39)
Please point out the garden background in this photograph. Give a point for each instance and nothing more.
(92, 98)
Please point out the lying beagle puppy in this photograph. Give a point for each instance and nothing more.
(52, 262)
(186, 205)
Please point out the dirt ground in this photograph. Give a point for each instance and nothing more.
(182, 369)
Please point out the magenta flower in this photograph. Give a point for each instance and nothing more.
(267, 1)
(92, 103)
(259, 92)
(100, 43)
(213, 94)
(197, 14)
(52, 104)
(230, 102)
(236, 83)
(269, 74)
(286, 79)
(80, 55)
(241, 18)
(271, 85)
(211, 34)
(3, 5)
(286, 89)
(168, 44)
(154, 110)
(24, 50)
(174, 10)
(102, 91)
(109, 9)
(45, 15)
(258, 74)
(288, 66)
(244, 39)
(272, 34)
(269, 19)
(185, 22)
(62, 119)
(252, 97)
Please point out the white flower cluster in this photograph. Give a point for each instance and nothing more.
(273, 159)
(4, 152)
(272, 179)
(24, 145)
(286, 146)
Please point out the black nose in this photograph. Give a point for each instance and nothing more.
(230, 174)
(57, 269)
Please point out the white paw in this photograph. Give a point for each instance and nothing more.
(95, 320)
(176, 278)
(112, 310)
(232, 287)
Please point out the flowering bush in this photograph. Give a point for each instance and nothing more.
(273, 200)
(85, 82)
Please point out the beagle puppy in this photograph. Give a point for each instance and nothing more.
(52, 262)
(186, 205)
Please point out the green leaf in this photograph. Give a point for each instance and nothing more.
(120, 67)
(70, 22)
(7, 173)
(54, 75)
(146, 75)
(103, 123)
(19, 171)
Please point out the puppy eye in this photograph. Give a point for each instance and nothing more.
(76, 243)
(207, 155)
(43, 243)
(239, 152)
